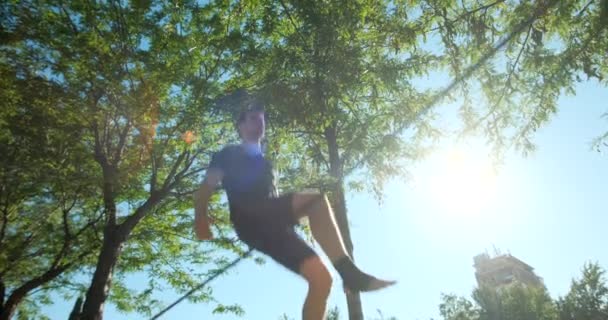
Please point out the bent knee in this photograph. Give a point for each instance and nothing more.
(305, 204)
(303, 198)
(316, 274)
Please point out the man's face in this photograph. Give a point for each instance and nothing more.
(253, 126)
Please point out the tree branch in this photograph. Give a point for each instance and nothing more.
(179, 176)
(21, 292)
(90, 224)
(5, 213)
(580, 13)
(67, 17)
(131, 221)
(154, 175)
(171, 174)
(507, 82)
(293, 24)
(99, 154)
(468, 13)
(194, 171)
(18, 253)
(121, 144)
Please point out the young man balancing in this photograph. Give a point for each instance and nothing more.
(265, 221)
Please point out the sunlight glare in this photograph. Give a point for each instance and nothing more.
(465, 182)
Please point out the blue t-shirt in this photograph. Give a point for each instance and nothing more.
(247, 175)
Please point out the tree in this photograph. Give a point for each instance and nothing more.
(50, 212)
(588, 296)
(453, 307)
(601, 142)
(516, 301)
(516, 92)
(586, 300)
(512, 302)
(334, 314)
(141, 78)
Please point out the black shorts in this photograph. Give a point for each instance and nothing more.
(268, 225)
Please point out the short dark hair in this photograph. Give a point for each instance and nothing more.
(250, 106)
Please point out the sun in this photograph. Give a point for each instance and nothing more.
(464, 182)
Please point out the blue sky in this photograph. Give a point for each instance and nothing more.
(547, 209)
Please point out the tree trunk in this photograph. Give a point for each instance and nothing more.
(355, 308)
(114, 236)
(102, 278)
(76, 310)
(7, 310)
(2, 295)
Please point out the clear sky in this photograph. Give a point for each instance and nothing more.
(548, 209)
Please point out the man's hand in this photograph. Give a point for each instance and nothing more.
(202, 221)
(202, 226)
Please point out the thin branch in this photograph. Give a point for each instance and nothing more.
(66, 211)
(507, 81)
(18, 253)
(18, 258)
(183, 193)
(67, 16)
(171, 174)
(580, 13)
(293, 23)
(121, 144)
(306, 132)
(61, 285)
(21, 292)
(164, 259)
(466, 14)
(153, 176)
(99, 155)
(131, 221)
(66, 226)
(5, 213)
(91, 224)
(107, 133)
(180, 175)
(194, 172)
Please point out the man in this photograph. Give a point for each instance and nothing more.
(266, 221)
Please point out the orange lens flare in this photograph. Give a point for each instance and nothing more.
(188, 137)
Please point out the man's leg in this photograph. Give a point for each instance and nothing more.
(322, 223)
(319, 285)
(267, 228)
(325, 230)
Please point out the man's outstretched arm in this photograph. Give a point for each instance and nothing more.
(202, 221)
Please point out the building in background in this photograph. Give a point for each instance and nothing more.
(503, 269)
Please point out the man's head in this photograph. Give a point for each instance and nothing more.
(251, 123)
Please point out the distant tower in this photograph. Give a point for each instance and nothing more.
(502, 270)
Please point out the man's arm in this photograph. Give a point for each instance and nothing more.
(201, 203)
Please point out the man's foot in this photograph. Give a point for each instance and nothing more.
(373, 285)
(377, 284)
(356, 280)
(365, 283)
